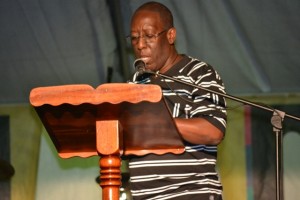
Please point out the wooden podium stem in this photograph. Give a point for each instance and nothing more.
(109, 138)
(110, 176)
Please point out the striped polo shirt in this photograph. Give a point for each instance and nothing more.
(191, 175)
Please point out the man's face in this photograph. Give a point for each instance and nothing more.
(150, 41)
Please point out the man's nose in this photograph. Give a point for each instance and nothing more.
(141, 43)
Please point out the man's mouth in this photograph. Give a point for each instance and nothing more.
(145, 59)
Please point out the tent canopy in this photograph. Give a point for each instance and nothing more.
(254, 45)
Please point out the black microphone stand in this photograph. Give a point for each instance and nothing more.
(276, 122)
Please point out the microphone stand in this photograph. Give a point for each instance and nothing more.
(276, 121)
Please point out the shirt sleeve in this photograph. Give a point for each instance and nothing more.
(208, 105)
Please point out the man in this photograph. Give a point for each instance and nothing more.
(199, 115)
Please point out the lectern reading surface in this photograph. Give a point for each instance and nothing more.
(112, 120)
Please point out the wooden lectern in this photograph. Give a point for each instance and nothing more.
(110, 121)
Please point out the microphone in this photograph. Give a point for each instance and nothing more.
(140, 66)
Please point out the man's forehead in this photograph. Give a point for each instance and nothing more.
(146, 18)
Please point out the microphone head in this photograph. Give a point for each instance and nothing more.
(139, 65)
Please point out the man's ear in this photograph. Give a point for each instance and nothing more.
(171, 35)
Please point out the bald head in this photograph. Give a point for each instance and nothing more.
(164, 13)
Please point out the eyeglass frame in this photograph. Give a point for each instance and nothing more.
(134, 40)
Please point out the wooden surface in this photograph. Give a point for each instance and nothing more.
(106, 93)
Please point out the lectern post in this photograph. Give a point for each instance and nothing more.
(108, 145)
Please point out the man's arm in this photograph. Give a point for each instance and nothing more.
(199, 131)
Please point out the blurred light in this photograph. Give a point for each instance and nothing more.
(123, 196)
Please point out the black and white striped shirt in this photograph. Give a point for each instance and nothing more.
(191, 175)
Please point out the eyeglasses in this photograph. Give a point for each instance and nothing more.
(148, 38)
